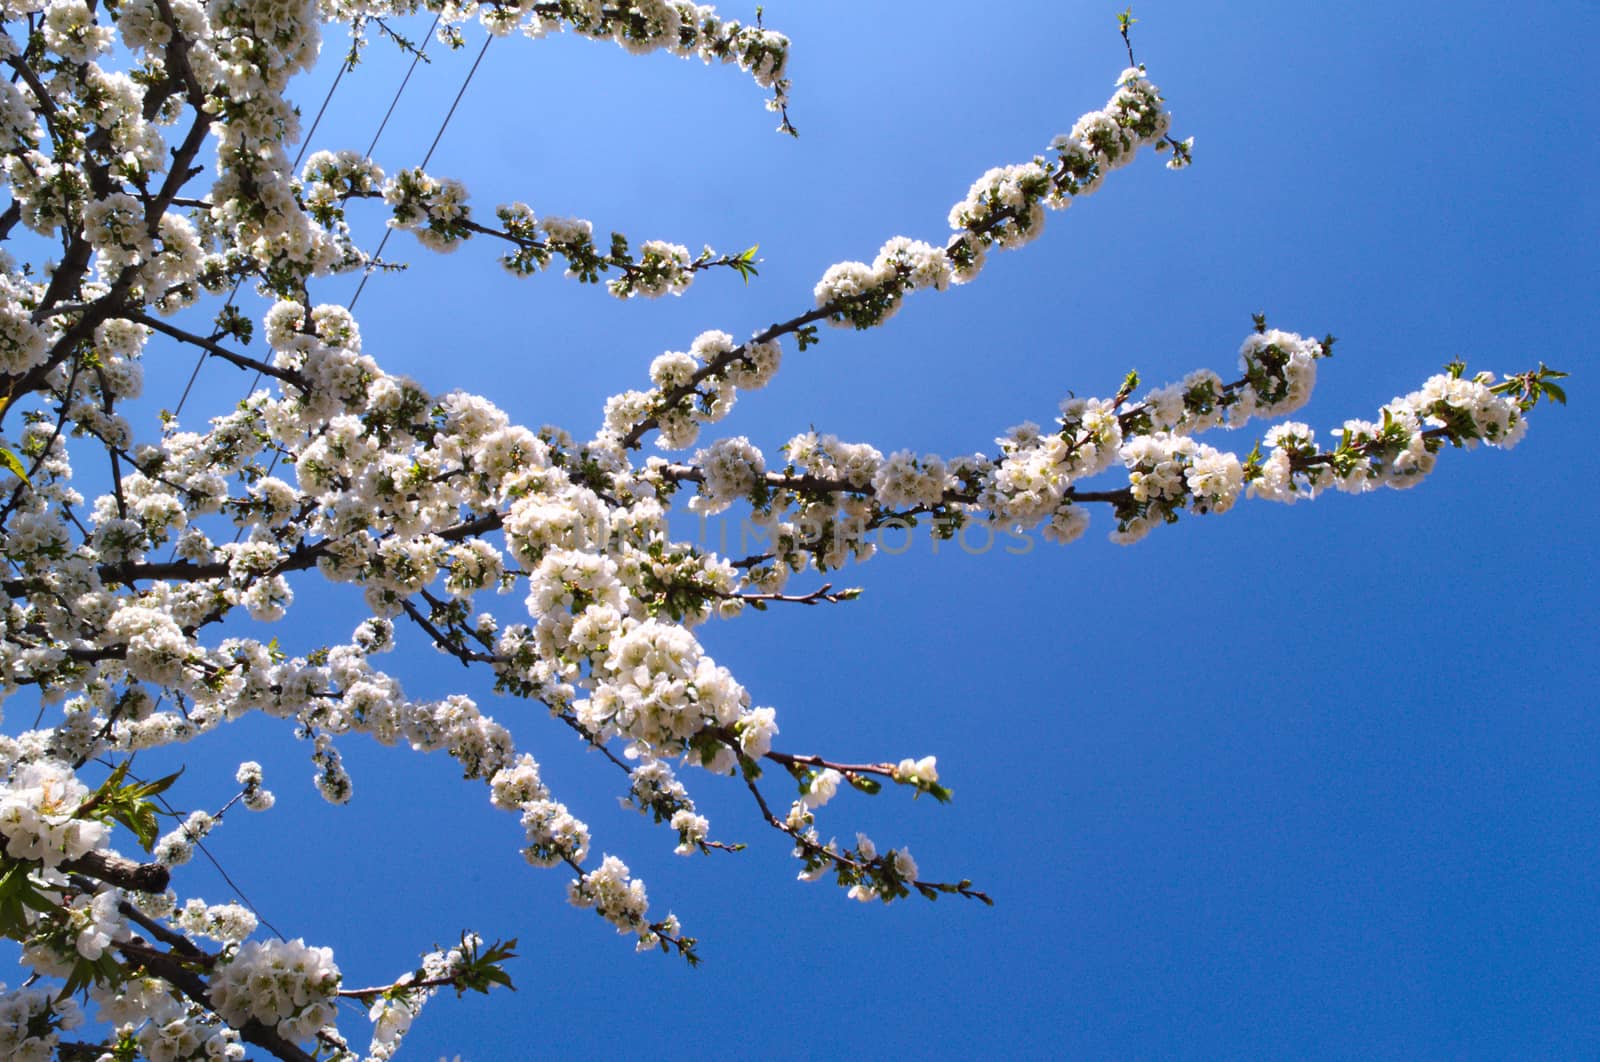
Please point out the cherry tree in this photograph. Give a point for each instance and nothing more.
(153, 560)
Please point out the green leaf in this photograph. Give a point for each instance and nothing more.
(108, 788)
(482, 971)
(141, 822)
(17, 894)
(87, 972)
(1556, 392)
(745, 261)
(10, 460)
(129, 805)
(35, 899)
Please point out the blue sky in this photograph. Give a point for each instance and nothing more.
(1315, 780)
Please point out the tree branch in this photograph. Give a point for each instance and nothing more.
(120, 871)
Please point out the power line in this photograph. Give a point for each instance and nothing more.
(416, 57)
(273, 464)
(326, 99)
(457, 101)
(378, 254)
(451, 113)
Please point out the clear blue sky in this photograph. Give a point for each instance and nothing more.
(1315, 781)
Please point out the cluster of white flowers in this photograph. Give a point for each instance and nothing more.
(391, 1019)
(434, 209)
(917, 772)
(165, 1028)
(328, 178)
(516, 784)
(156, 647)
(1167, 473)
(885, 874)
(732, 468)
(862, 295)
(554, 836)
(71, 31)
(663, 267)
(23, 344)
(692, 388)
(393, 1012)
(254, 796)
(38, 815)
(285, 985)
(1283, 478)
(620, 899)
(176, 848)
(1029, 482)
(904, 480)
(1281, 369)
(866, 874)
(658, 688)
(96, 922)
(1470, 408)
(1005, 206)
(31, 1020)
(655, 790)
(229, 923)
(1397, 450)
(821, 787)
(829, 457)
(756, 729)
(189, 1036)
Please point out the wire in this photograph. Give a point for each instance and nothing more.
(273, 464)
(232, 294)
(326, 99)
(305, 143)
(384, 242)
(378, 254)
(451, 113)
(415, 58)
(457, 101)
